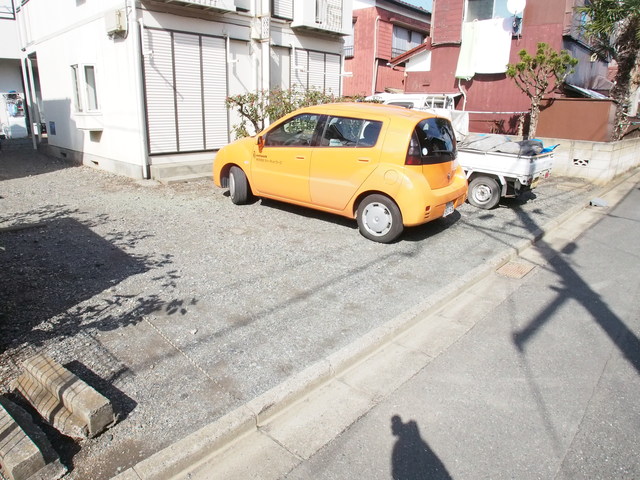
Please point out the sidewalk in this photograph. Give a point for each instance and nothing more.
(531, 375)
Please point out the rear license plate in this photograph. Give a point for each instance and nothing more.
(535, 182)
(448, 209)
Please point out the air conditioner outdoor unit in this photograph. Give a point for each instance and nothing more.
(115, 21)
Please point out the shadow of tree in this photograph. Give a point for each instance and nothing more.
(59, 276)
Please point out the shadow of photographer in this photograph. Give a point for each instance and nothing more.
(412, 458)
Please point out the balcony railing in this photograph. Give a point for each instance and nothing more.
(323, 15)
(347, 51)
(221, 5)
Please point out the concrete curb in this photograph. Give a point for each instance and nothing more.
(251, 416)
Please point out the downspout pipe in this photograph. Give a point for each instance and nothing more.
(30, 96)
(375, 56)
(138, 58)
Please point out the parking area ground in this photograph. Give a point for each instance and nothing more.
(180, 306)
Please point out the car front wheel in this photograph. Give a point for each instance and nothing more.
(238, 186)
(379, 219)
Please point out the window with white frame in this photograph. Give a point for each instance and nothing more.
(91, 93)
(6, 10)
(404, 40)
(85, 93)
(486, 9)
(348, 47)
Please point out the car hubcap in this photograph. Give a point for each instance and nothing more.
(377, 219)
(482, 193)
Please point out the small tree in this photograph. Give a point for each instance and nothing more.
(257, 109)
(537, 75)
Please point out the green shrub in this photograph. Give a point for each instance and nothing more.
(258, 109)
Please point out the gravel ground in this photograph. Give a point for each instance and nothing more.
(180, 306)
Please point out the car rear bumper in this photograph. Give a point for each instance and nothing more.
(433, 203)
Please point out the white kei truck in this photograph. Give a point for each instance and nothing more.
(496, 174)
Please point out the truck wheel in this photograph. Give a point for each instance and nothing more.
(484, 192)
(238, 186)
(379, 219)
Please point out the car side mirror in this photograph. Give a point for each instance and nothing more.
(260, 143)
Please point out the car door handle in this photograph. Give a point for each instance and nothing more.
(300, 157)
(364, 160)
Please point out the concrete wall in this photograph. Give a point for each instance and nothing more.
(596, 161)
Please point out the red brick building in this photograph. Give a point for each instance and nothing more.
(382, 30)
(484, 87)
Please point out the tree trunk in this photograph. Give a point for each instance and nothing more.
(533, 119)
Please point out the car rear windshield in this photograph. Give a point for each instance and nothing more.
(436, 140)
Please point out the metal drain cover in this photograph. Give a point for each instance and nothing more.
(515, 269)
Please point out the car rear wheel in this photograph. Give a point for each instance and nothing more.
(238, 186)
(379, 219)
(484, 192)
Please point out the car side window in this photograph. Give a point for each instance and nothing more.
(350, 132)
(295, 132)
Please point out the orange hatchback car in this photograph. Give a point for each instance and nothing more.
(387, 167)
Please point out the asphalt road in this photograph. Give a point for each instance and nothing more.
(180, 306)
(544, 386)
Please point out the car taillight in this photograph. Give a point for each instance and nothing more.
(413, 153)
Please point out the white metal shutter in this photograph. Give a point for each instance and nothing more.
(332, 82)
(214, 78)
(300, 69)
(158, 73)
(283, 8)
(316, 71)
(188, 91)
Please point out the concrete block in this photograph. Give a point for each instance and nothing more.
(64, 400)
(25, 452)
(48, 406)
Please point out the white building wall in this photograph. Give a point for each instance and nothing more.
(420, 62)
(63, 33)
(10, 76)
(112, 133)
(9, 40)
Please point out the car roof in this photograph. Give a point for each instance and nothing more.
(364, 108)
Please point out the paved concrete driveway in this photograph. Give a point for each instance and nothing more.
(181, 306)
